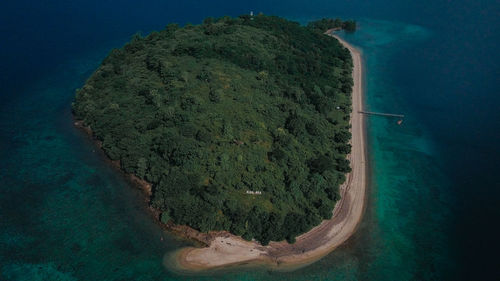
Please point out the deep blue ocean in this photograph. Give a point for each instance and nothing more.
(434, 192)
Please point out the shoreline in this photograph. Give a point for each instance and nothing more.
(225, 249)
(182, 231)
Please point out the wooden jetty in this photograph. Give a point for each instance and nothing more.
(381, 114)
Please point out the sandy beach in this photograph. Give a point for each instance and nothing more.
(227, 249)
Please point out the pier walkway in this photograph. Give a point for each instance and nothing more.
(381, 114)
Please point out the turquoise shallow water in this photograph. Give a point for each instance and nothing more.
(65, 214)
(405, 172)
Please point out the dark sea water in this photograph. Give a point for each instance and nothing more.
(433, 208)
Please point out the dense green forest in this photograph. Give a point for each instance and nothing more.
(211, 113)
(324, 24)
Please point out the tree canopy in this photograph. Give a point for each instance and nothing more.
(240, 124)
(324, 24)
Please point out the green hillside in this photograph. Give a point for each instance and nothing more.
(208, 112)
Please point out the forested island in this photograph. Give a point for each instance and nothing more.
(239, 124)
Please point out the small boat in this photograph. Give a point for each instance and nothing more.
(400, 121)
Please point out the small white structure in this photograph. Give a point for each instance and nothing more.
(254, 192)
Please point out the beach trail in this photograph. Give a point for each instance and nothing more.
(227, 249)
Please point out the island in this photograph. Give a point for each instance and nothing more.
(240, 128)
